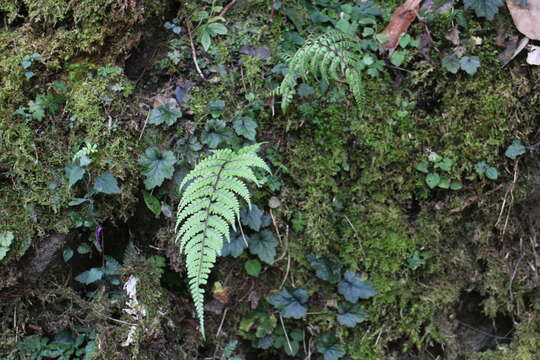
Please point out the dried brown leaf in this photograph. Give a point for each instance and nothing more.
(402, 17)
(527, 20)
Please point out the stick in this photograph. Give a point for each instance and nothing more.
(193, 52)
(473, 200)
(226, 8)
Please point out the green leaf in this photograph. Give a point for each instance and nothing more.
(326, 268)
(516, 149)
(455, 185)
(305, 90)
(158, 166)
(252, 217)
(215, 132)
(444, 183)
(205, 39)
(291, 302)
(152, 203)
(405, 40)
(6, 238)
(90, 276)
(67, 254)
(470, 64)
(106, 183)
(218, 29)
(84, 248)
(74, 173)
(492, 173)
(451, 63)
(235, 247)
(290, 344)
(330, 347)
(422, 166)
(353, 287)
(481, 168)
(445, 164)
(167, 113)
(350, 315)
(245, 127)
(398, 57)
(432, 180)
(263, 245)
(484, 8)
(253, 267)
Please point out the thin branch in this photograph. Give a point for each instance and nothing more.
(226, 8)
(193, 52)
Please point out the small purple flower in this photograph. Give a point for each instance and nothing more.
(99, 235)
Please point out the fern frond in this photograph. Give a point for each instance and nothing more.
(209, 208)
(332, 56)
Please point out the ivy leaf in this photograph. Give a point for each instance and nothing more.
(329, 347)
(265, 342)
(235, 247)
(73, 173)
(350, 314)
(152, 203)
(326, 268)
(451, 63)
(106, 183)
(252, 217)
(158, 166)
(516, 149)
(166, 113)
(90, 276)
(481, 168)
(263, 245)
(245, 127)
(445, 164)
(444, 183)
(432, 180)
(353, 287)
(215, 132)
(290, 345)
(470, 64)
(291, 302)
(398, 57)
(484, 8)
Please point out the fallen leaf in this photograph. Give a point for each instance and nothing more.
(513, 48)
(453, 36)
(526, 19)
(533, 58)
(221, 293)
(402, 17)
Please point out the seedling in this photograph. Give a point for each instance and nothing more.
(433, 178)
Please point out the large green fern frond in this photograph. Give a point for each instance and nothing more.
(209, 208)
(333, 56)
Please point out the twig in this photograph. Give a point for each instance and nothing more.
(286, 271)
(193, 52)
(242, 231)
(510, 191)
(473, 200)
(512, 278)
(355, 233)
(285, 332)
(222, 321)
(144, 125)
(226, 8)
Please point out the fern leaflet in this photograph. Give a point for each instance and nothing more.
(208, 210)
(333, 56)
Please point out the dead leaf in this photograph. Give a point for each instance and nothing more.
(453, 36)
(402, 17)
(513, 48)
(527, 20)
(253, 299)
(533, 58)
(221, 293)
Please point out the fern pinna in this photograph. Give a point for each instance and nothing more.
(331, 56)
(208, 208)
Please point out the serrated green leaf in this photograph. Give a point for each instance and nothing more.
(246, 127)
(235, 247)
(353, 287)
(106, 183)
(305, 90)
(481, 168)
(167, 113)
(152, 203)
(263, 244)
(451, 63)
(326, 268)
(291, 302)
(469, 64)
(515, 149)
(329, 347)
(484, 8)
(215, 132)
(350, 315)
(74, 173)
(398, 57)
(252, 217)
(445, 164)
(158, 166)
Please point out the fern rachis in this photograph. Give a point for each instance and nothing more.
(208, 210)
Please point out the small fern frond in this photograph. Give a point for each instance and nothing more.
(332, 56)
(209, 208)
